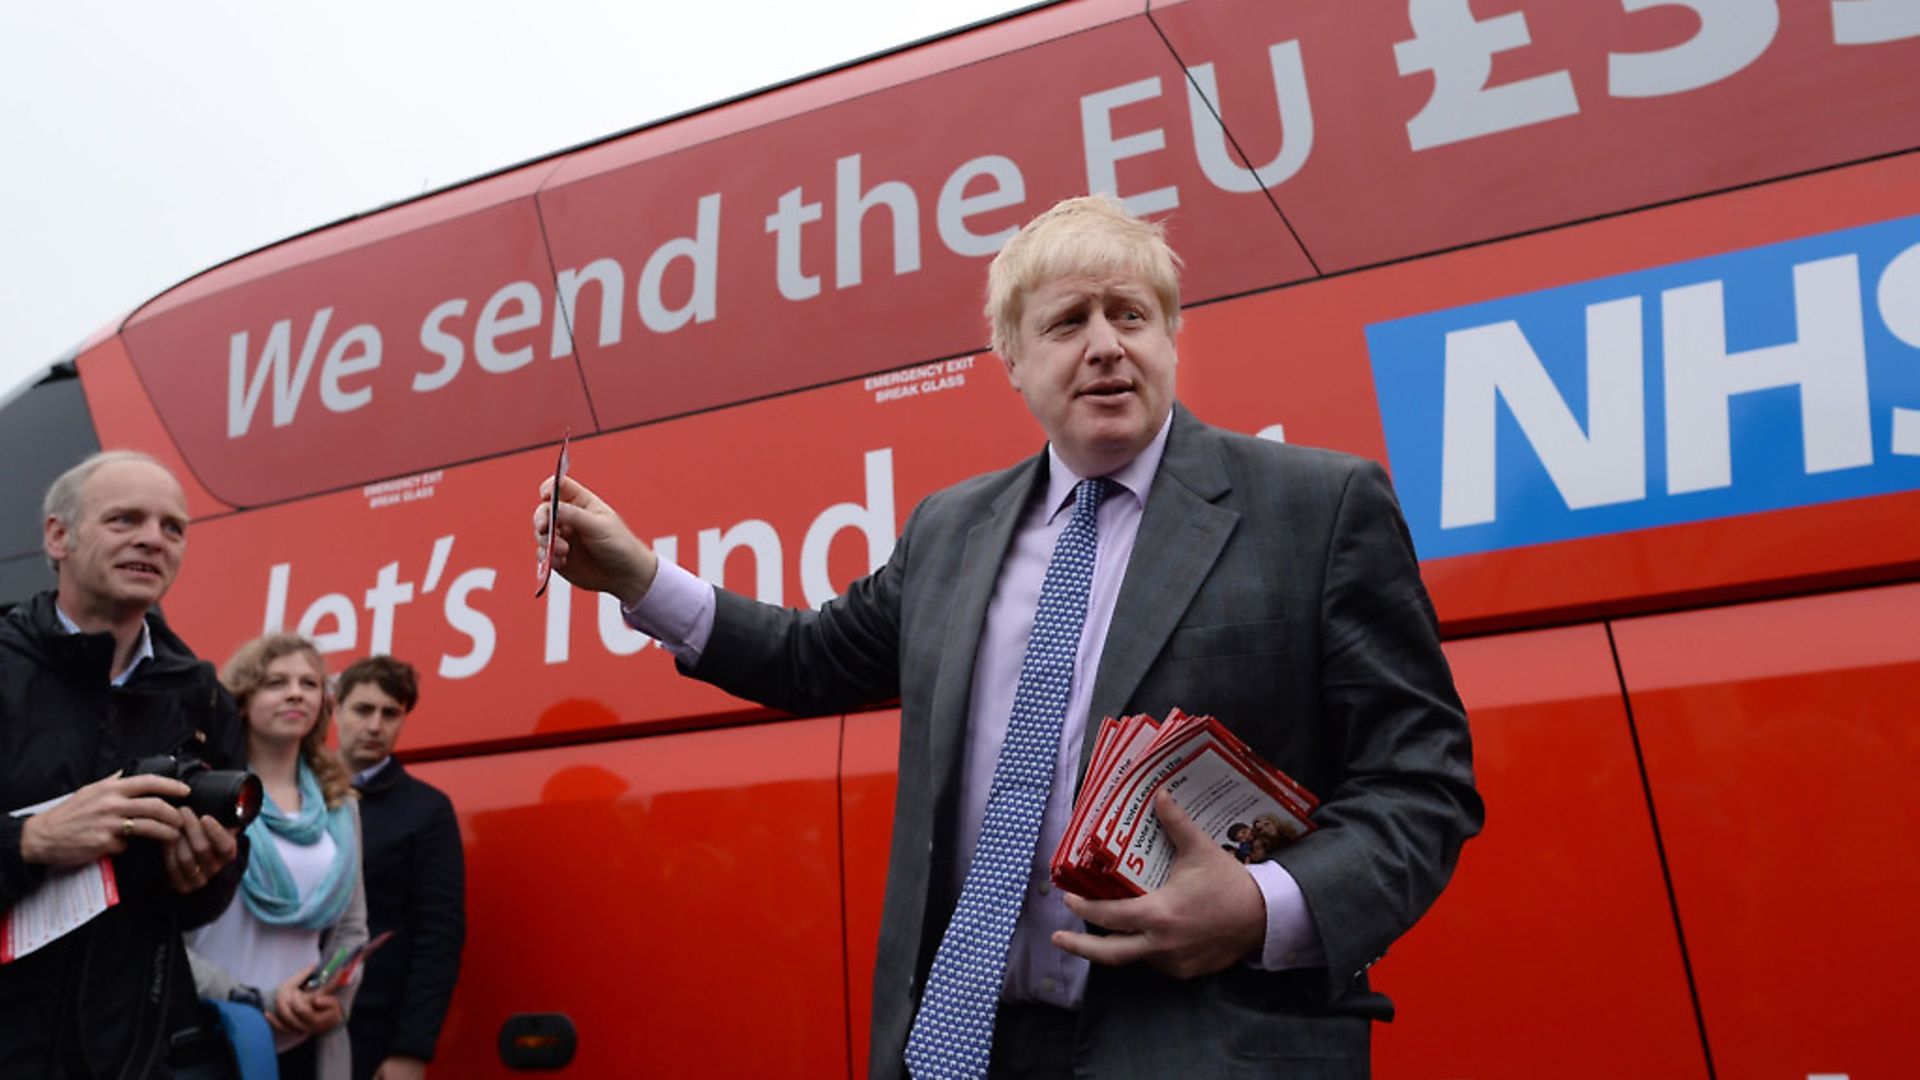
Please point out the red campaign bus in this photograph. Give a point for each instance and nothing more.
(1625, 293)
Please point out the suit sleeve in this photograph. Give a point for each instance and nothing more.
(18, 877)
(1390, 833)
(845, 655)
(439, 922)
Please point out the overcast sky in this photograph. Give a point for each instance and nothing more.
(145, 142)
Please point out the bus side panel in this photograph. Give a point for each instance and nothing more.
(124, 418)
(1389, 145)
(786, 500)
(1781, 745)
(869, 778)
(1496, 983)
(869, 286)
(675, 896)
(435, 345)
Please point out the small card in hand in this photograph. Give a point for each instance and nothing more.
(545, 569)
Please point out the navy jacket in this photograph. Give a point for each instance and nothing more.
(416, 887)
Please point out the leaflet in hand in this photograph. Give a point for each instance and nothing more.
(66, 899)
(1114, 846)
(334, 974)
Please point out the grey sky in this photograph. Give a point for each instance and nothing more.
(146, 142)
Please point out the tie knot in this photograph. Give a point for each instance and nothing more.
(1089, 494)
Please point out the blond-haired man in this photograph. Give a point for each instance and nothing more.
(1141, 561)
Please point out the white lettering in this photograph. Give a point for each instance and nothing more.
(442, 548)
(1459, 50)
(850, 206)
(702, 250)
(875, 519)
(605, 273)
(559, 639)
(1603, 465)
(1222, 166)
(243, 396)
(1898, 297)
(346, 624)
(1104, 151)
(435, 339)
(1828, 364)
(785, 225)
(1733, 34)
(956, 206)
(477, 627)
(758, 537)
(339, 366)
(497, 321)
(387, 594)
(1869, 22)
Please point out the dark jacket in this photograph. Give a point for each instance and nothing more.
(103, 1000)
(416, 887)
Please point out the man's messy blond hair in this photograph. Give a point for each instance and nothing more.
(1088, 236)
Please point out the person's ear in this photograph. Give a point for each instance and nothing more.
(56, 539)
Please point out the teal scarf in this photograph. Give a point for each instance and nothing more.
(268, 888)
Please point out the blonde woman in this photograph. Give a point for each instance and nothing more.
(301, 900)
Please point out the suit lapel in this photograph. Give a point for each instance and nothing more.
(986, 547)
(1182, 532)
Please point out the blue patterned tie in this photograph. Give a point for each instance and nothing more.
(953, 1033)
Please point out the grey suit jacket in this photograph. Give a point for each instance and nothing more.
(1272, 586)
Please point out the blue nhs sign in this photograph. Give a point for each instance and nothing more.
(1774, 377)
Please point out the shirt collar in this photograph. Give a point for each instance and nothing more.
(142, 650)
(1136, 476)
(360, 778)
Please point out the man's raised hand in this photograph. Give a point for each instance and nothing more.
(592, 547)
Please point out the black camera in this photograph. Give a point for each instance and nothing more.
(229, 796)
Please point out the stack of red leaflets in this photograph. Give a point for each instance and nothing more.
(1114, 847)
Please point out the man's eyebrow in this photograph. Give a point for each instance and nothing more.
(1061, 306)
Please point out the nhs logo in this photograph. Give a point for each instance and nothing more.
(1775, 377)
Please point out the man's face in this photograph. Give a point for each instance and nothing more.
(370, 722)
(1095, 363)
(125, 544)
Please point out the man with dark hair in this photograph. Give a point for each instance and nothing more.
(415, 873)
(92, 680)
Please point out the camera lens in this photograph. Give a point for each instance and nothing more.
(229, 796)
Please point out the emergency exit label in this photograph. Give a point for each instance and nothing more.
(1778, 376)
